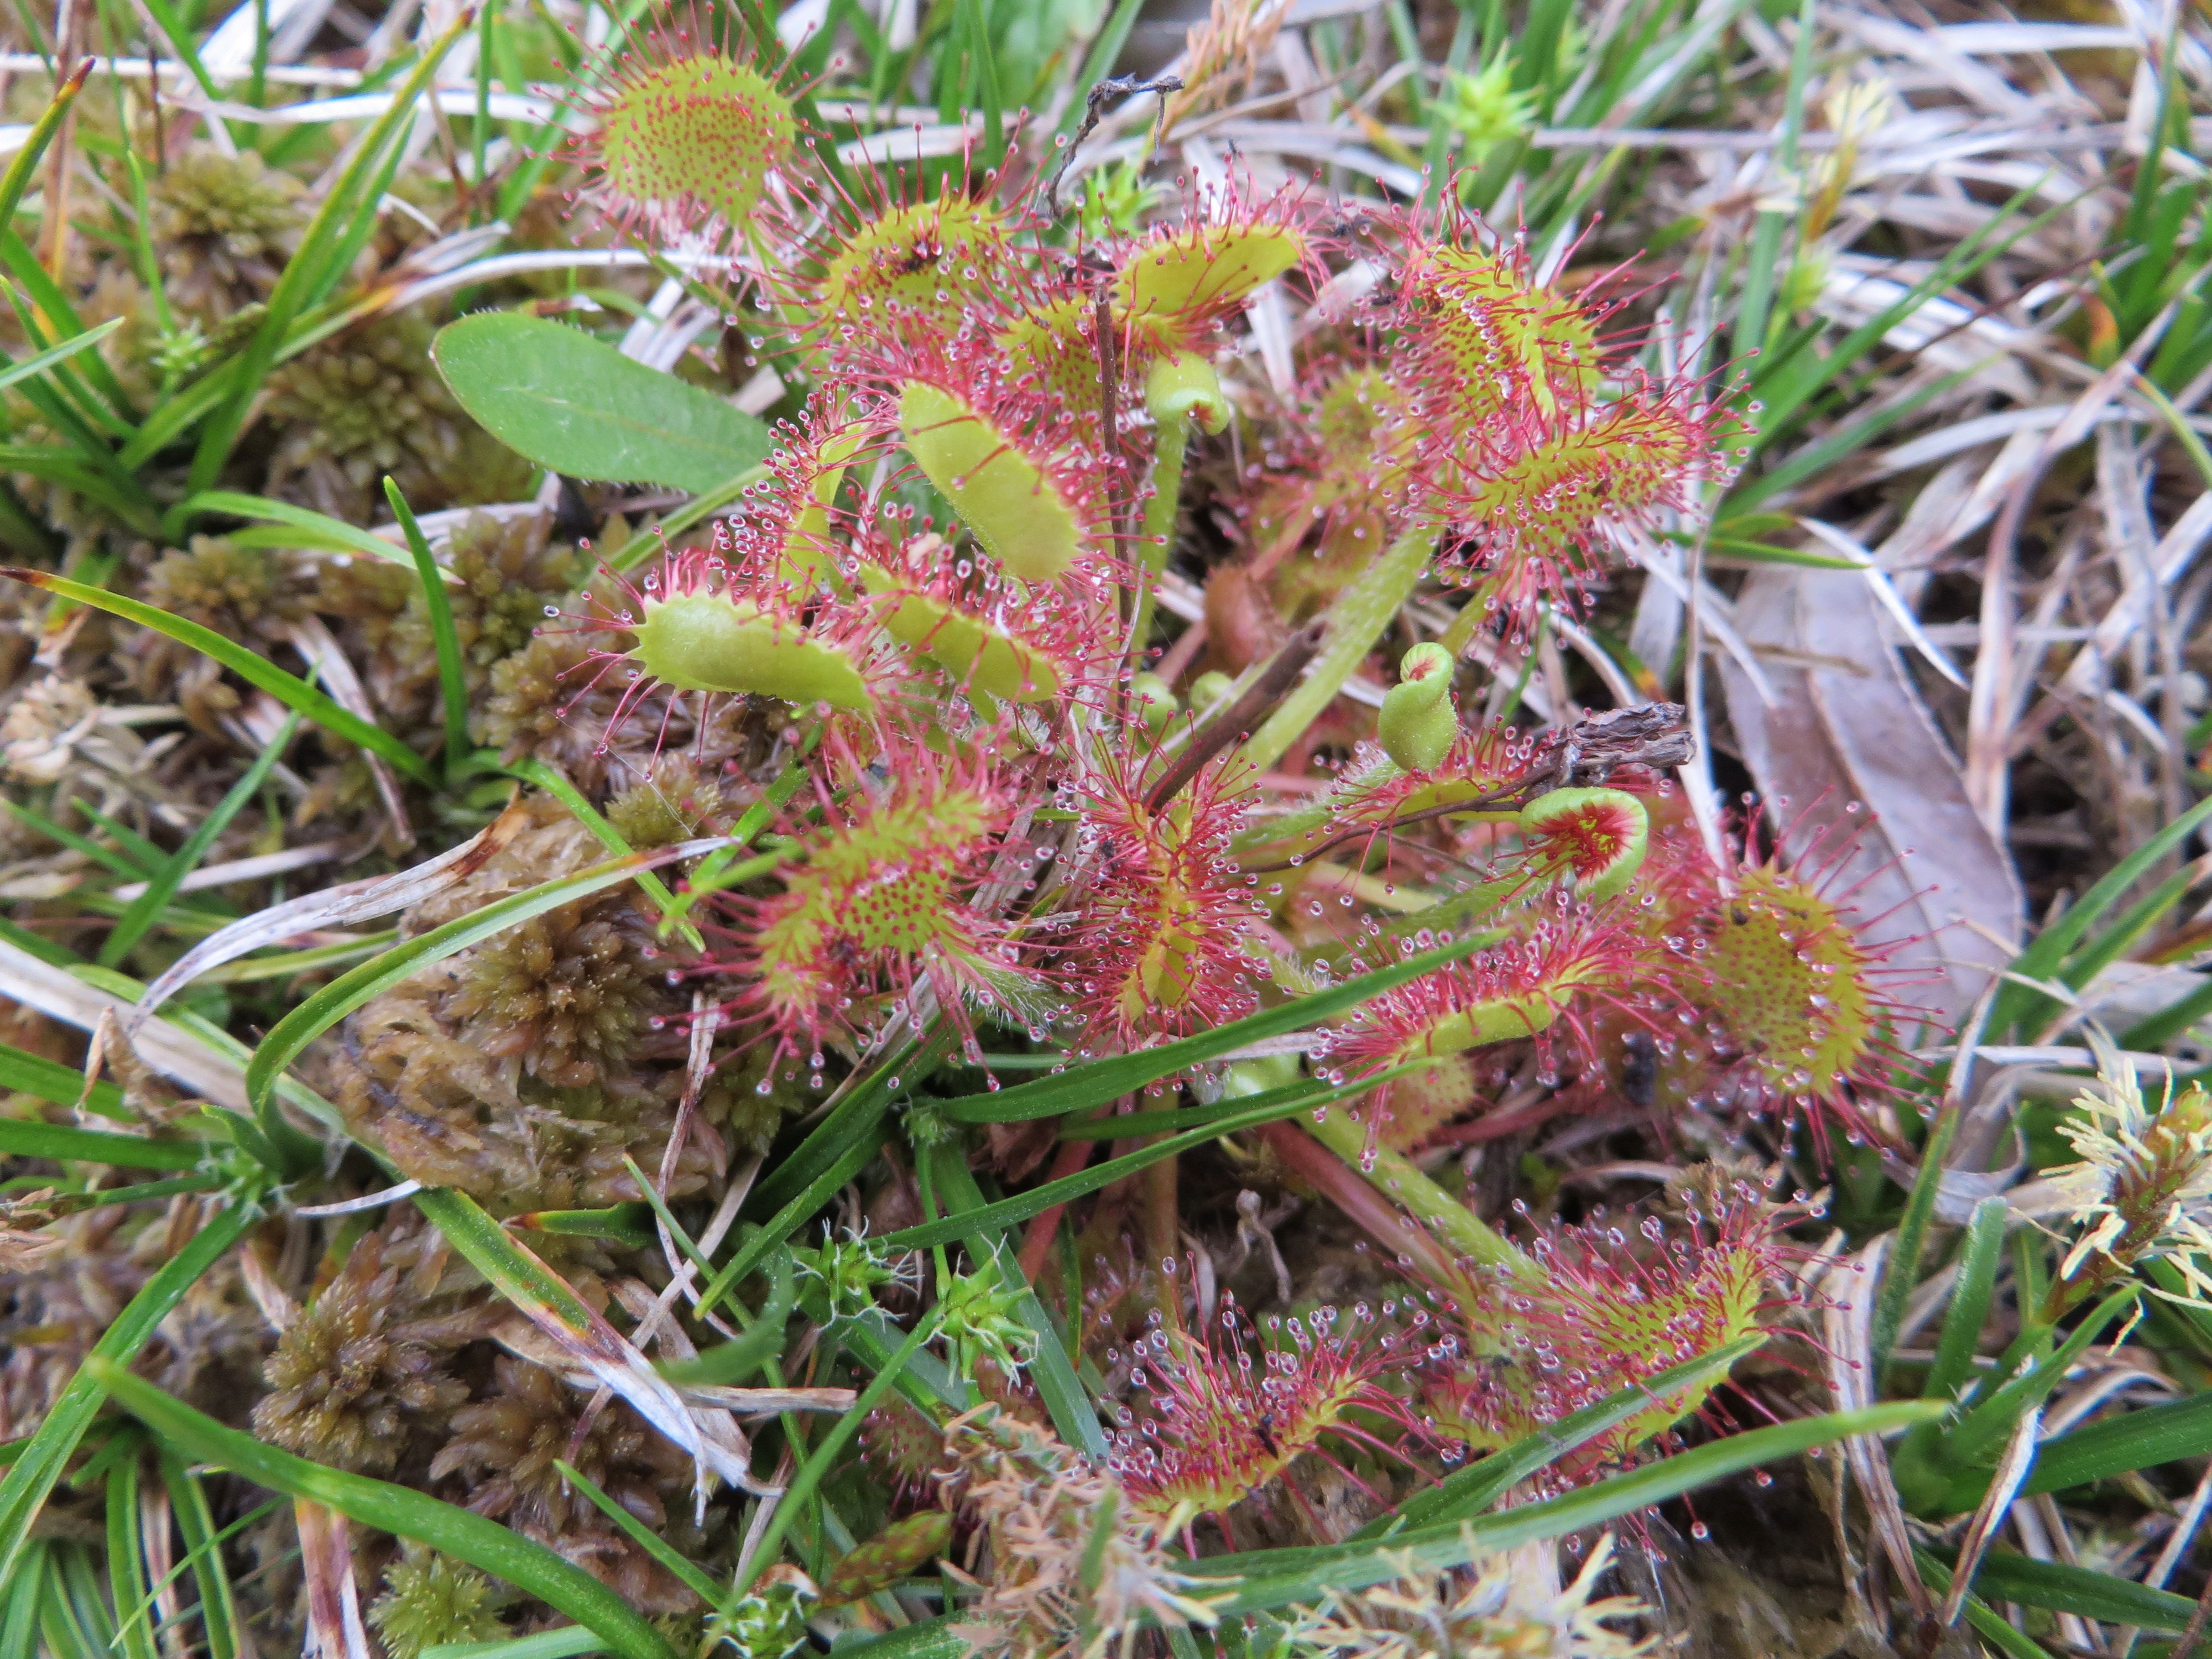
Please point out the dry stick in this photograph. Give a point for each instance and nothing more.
(1242, 716)
(2195, 1628)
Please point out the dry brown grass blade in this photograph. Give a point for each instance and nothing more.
(334, 907)
(58, 995)
(334, 1627)
(1848, 1320)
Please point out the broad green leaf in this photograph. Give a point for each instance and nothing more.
(397, 1510)
(39, 1464)
(289, 690)
(576, 405)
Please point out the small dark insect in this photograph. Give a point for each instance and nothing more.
(1639, 1069)
(1264, 1431)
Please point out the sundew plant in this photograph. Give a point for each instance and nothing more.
(1079, 829)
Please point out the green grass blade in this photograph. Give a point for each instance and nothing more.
(397, 1510)
(1050, 1369)
(1101, 1080)
(1766, 230)
(1984, 1617)
(218, 1607)
(452, 686)
(854, 1158)
(2149, 1035)
(2081, 1590)
(930, 1638)
(25, 165)
(315, 530)
(1467, 1492)
(41, 362)
(1263, 1579)
(645, 1538)
(131, 925)
(2017, 1007)
(32, 1476)
(56, 1084)
(2133, 1440)
(127, 1560)
(307, 271)
(19, 1605)
(563, 1642)
(1980, 1254)
(809, 1478)
(1903, 1269)
(555, 782)
(256, 671)
(1037, 1199)
(23, 1138)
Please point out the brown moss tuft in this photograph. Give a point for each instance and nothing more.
(568, 993)
(369, 402)
(505, 1444)
(366, 1365)
(525, 1070)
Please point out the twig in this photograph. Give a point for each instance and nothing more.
(1094, 111)
(1242, 716)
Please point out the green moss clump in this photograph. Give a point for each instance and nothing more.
(431, 1599)
(223, 227)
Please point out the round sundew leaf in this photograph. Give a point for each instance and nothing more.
(979, 655)
(1014, 509)
(925, 257)
(1493, 323)
(712, 642)
(1791, 981)
(701, 132)
(1599, 835)
(1206, 267)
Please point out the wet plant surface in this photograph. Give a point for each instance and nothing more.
(1044, 830)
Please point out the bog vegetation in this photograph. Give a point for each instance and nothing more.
(894, 829)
